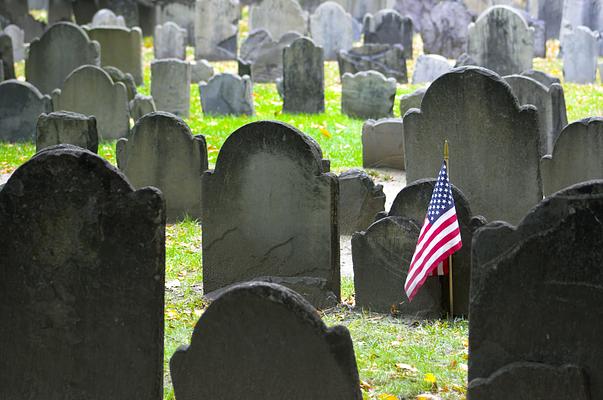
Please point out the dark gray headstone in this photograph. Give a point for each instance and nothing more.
(33, 28)
(60, 50)
(411, 100)
(278, 17)
(389, 27)
(126, 78)
(265, 55)
(7, 61)
(429, 67)
(59, 11)
(162, 152)
(367, 94)
(383, 144)
(389, 60)
(141, 105)
(580, 53)
(82, 285)
(288, 352)
(550, 11)
(494, 147)
(170, 86)
(201, 71)
(121, 48)
(65, 127)
(217, 29)
(528, 281)
(20, 106)
(542, 77)
(169, 41)
(14, 10)
(360, 200)
(444, 29)
(227, 94)
(268, 205)
(303, 77)
(332, 28)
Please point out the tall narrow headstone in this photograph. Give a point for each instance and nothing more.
(7, 61)
(580, 53)
(551, 11)
(21, 103)
(121, 48)
(17, 36)
(170, 41)
(303, 77)
(170, 86)
(278, 17)
(227, 94)
(216, 29)
(389, 27)
(332, 28)
(367, 94)
(64, 127)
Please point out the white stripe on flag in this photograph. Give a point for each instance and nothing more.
(431, 228)
(433, 242)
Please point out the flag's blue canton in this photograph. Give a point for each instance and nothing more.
(441, 199)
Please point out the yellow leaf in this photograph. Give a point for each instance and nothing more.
(452, 364)
(430, 378)
(365, 385)
(325, 131)
(386, 396)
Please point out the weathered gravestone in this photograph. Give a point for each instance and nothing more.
(359, 8)
(580, 52)
(32, 28)
(126, 78)
(90, 90)
(66, 128)
(444, 29)
(494, 143)
(389, 60)
(389, 27)
(216, 29)
(417, 10)
(181, 12)
(59, 11)
(83, 261)
(411, 100)
(170, 41)
(61, 49)
(278, 17)
(588, 13)
(141, 105)
(576, 157)
(121, 48)
(536, 291)
(360, 200)
(201, 70)
(227, 94)
(107, 18)
(550, 11)
(429, 67)
(162, 152)
(128, 8)
(7, 61)
(464, 60)
(367, 94)
(550, 102)
(303, 77)
(20, 106)
(288, 351)
(501, 40)
(383, 143)
(542, 77)
(332, 28)
(17, 36)
(268, 205)
(170, 86)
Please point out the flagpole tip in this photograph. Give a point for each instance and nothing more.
(446, 151)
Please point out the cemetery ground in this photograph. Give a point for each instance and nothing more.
(397, 358)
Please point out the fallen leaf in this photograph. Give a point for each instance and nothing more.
(430, 378)
(387, 396)
(325, 132)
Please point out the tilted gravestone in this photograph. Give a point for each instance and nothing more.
(216, 29)
(332, 28)
(553, 263)
(126, 78)
(389, 27)
(542, 77)
(20, 106)
(444, 31)
(141, 105)
(550, 102)
(494, 143)
(501, 41)
(60, 50)
(107, 18)
(411, 100)
(169, 41)
(170, 86)
(576, 157)
(303, 77)
(360, 200)
(7, 61)
(90, 90)
(17, 36)
(580, 52)
(367, 94)
(65, 127)
(383, 143)
(227, 94)
(278, 17)
(429, 67)
(389, 60)
(83, 265)
(201, 70)
(268, 205)
(162, 152)
(288, 351)
(121, 48)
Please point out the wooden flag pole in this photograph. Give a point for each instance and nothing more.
(450, 281)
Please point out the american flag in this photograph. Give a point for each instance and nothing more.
(440, 237)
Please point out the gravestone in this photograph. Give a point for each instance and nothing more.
(289, 352)
(417, 10)
(367, 94)
(445, 31)
(332, 28)
(411, 100)
(542, 77)
(121, 48)
(278, 17)
(89, 90)
(162, 152)
(7, 61)
(494, 133)
(265, 55)
(383, 144)
(464, 60)
(216, 29)
(201, 70)
(20, 105)
(32, 28)
(65, 127)
(59, 11)
(181, 12)
(141, 105)
(360, 200)
(576, 157)
(17, 36)
(501, 41)
(126, 78)
(170, 86)
(601, 72)
(227, 94)
(389, 60)
(128, 8)
(389, 27)
(577, 13)
(303, 77)
(267, 205)
(359, 8)
(60, 50)
(551, 11)
(553, 262)
(170, 41)
(550, 102)
(429, 67)
(14, 10)
(1, 74)
(83, 264)
(580, 52)
(107, 18)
